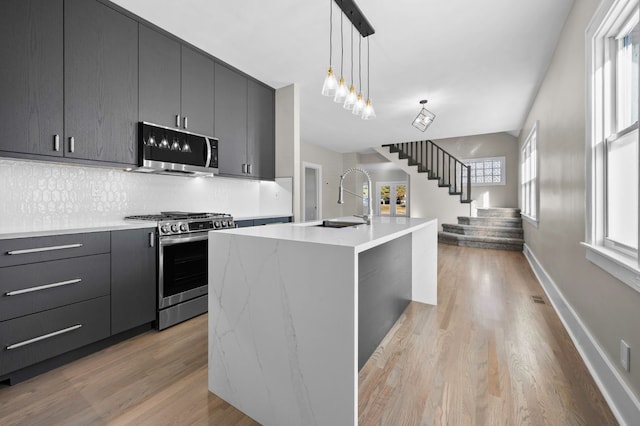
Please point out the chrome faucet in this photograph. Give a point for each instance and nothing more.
(367, 217)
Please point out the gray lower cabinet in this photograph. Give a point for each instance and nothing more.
(33, 338)
(101, 83)
(176, 84)
(133, 279)
(31, 77)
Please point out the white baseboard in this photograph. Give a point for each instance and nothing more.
(621, 399)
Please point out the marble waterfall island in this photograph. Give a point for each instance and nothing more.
(296, 309)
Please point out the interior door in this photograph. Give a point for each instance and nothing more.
(312, 191)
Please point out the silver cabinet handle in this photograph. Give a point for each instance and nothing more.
(207, 163)
(178, 120)
(42, 287)
(43, 337)
(185, 123)
(41, 249)
(244, 168)
(152, 239)
(72, 144)
(56, 142)
(249, 168)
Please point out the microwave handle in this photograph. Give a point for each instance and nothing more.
(208, 144)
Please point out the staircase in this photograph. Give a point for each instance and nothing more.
(438, 165)
(493, 228)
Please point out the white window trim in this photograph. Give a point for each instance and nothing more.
(503, 168)
(625, 268)
(535, 221)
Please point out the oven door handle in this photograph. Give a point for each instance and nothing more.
(169, 241)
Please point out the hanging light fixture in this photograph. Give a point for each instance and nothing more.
(351, 98)
(368, 112)
(359, 106)
(341, 91)
(330, 84)
(424, 118)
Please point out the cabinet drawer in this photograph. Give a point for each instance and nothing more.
(21, 251)
(33, 338)
(27, 289)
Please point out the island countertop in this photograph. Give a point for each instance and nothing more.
(361, 237)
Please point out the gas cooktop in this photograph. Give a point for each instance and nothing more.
(173, 223)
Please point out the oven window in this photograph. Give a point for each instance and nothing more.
(185, 267)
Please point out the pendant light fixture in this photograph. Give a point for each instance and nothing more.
(424, 117)
(368, 112)
(330, 84)
(341, 91)
(351, 98)
(359, 106)
(331, 87)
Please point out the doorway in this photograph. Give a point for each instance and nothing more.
(393, 198)
(312, 191)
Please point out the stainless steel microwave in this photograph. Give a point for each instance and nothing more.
(166, 150)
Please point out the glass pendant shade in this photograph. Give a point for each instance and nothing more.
(424, 118)
(351, 99)
(368, 112)
(341, 91)
(359, 106)
(330, 84)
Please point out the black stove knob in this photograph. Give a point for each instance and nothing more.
(174, 227)
(164, 229)
(216, 224)
(183, 227)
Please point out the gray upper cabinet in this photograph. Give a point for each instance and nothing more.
(176, 84)
(101, 83)
(231, 120)
(159, 78)
(245, 125)
(197, 92)
(31, 76)
(261, 146)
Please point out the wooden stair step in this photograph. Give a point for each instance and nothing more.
(495, 243)
(486, 231)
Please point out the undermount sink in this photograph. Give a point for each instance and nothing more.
(338, 224)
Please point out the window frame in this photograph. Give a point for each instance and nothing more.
(530, 216)
(503, 174)
(600, 124)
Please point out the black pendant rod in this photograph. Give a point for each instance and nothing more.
(355, 15)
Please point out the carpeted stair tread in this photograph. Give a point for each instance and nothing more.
(498, 212)
(511, 222)
(489, 231)
(497, 243)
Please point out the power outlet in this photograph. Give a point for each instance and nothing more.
(625, 355)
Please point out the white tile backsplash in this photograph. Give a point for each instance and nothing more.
(48, 195)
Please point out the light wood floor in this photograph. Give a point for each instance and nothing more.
(486, 355)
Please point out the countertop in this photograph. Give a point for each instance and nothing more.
(11, 231)
(361, 237)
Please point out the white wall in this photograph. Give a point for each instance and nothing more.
(609, 309)
(288, 139)
(332, 168)
(483, 146)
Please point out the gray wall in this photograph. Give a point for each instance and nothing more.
(606, 306)
(332, 167)
(489, 145)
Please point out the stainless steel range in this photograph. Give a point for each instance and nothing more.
(182, 262)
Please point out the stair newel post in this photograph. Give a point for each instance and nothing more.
(431, 167)
(455, 176)
(449, 171)
(468, 182)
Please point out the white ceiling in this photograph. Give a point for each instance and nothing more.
(479, 63)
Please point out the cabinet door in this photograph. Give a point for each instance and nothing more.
(197, 92)
(231, 120)
(133, 279)
(101, 83)
(159, 78)
(31, 79)
(261, 146)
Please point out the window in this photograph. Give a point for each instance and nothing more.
(529, 175)
(612, 140)
(485, 171)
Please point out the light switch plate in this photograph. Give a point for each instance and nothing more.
(625, 355)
